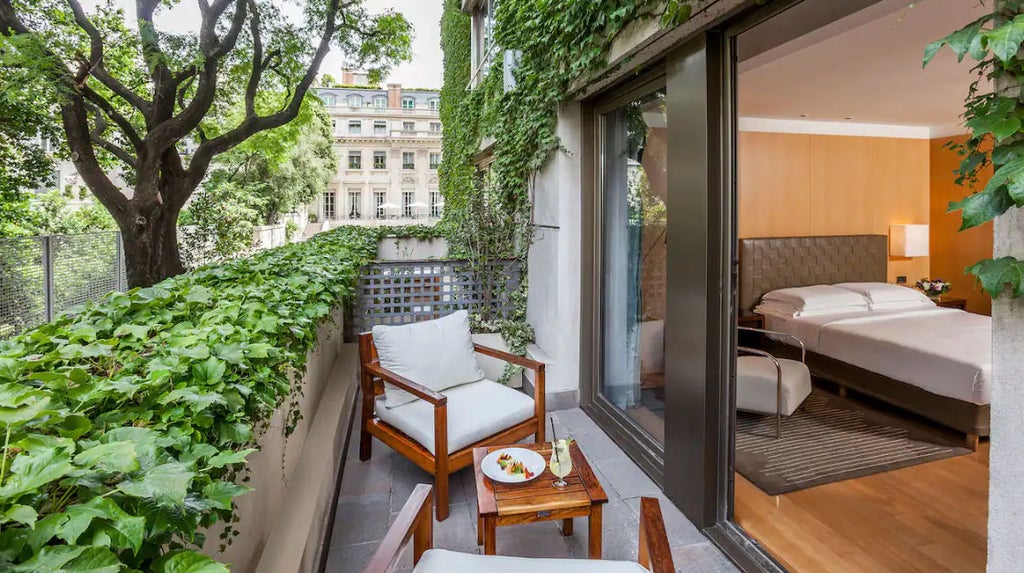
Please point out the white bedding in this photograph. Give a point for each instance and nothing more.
(942, 350)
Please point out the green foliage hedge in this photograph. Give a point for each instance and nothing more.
(126, 424)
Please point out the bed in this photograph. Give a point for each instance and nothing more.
(934, 362)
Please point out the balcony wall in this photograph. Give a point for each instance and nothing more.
(282, 522)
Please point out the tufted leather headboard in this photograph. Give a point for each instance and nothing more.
(774, 263)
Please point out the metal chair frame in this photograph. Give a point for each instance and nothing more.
(778, 368)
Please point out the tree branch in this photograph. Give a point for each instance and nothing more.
(257, 60)
(95, 42)
(253, 124)
(96, 135)
(122, 122)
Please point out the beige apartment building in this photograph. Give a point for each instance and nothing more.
(389, 148)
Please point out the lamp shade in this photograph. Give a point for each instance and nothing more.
(908, 240)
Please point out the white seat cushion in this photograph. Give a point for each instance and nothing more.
(443, 561)
(437, 354)
(756, 384)
(475, 411)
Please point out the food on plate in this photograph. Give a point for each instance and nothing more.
(513, 467)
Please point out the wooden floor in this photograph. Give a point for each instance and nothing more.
(929, 518)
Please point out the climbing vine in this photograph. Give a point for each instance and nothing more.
(996, 122)
(559, 46)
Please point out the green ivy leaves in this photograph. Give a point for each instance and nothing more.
(997, 118)
(998, 275)
(125, 424)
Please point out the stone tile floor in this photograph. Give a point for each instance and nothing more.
(373, 492)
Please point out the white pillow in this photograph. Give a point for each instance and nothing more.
(877, 293)
(785, 310)
(818, 297)
(437, 354)
(903, 305)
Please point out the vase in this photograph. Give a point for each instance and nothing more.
(935, 297)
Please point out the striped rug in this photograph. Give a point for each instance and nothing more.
(832, 439)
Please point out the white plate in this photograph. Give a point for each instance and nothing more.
(531, 460)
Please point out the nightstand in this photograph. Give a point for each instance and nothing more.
(750, 320)
(952, 302)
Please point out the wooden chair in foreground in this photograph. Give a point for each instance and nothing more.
(439, 431)
(654, 553)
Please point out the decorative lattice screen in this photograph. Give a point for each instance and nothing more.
(410, 291)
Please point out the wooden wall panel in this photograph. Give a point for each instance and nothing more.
(794, 185)
(953, 251)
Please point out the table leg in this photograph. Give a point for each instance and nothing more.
(479, 530)
(489, 540)
(567, 526)
(594, 535)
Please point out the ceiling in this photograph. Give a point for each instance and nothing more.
(866, 66)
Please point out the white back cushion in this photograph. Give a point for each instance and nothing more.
(437, 354)
(818, 297)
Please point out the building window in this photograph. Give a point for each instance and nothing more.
(435, 160)
(408, 103)
(354, 200)
(355, 101)
(380, 101)
(355, 159)
(334, 126)
(435, 104)
(379, 197)
(408, 160)
(483, 40)
(407, 199)
(380, 160)
(380, 128)
(329, 213)
(435, 204)
(329, 99)
(435, 127)
(408, 126)
(355, 127)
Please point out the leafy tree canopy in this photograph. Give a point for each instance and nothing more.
(160, 105)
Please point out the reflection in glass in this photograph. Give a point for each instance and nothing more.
(633, 189)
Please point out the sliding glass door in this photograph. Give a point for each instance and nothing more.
(634, 215)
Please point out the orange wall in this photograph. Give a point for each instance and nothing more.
(803, 185)
(953, 251)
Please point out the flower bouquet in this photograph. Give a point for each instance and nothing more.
(934, 288)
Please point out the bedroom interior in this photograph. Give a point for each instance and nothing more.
(844, 139)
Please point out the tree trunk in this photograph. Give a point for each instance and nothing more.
(151, 245)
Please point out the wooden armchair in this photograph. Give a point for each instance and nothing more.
(430, 447)
(414, 522)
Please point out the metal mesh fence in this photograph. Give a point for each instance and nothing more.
(42, 276)
(22, 284)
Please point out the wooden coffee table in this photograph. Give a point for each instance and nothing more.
(538, 500)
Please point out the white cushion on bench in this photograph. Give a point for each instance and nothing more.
(756, 384)
(475, 411)
(443, 561)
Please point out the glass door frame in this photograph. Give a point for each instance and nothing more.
(646, 451)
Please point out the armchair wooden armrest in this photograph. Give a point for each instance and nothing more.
(509, 357)
(418, 390)
(655, 554)
(416, 520)
(538, 381)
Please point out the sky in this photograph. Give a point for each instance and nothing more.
(425, 70)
